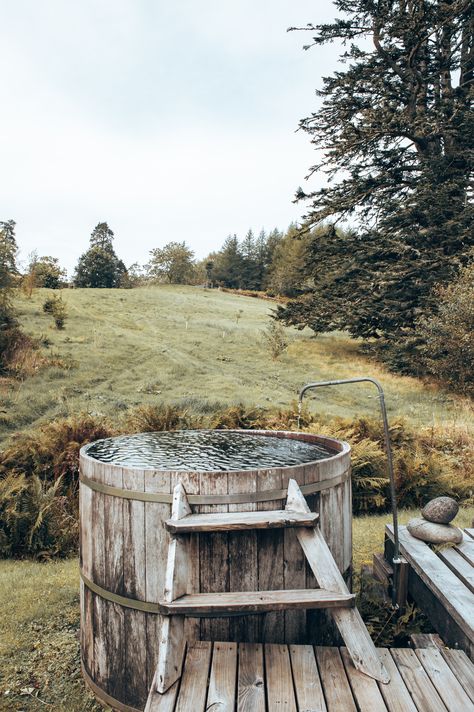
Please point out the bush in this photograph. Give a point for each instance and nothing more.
(57, 308)
(39, 470)
(275, 339)
(448, 344)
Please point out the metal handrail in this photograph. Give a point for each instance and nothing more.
(393, 496)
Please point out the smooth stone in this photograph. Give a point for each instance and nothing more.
(434, 533)
(440, 510)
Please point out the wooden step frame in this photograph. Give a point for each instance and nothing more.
(348, 620)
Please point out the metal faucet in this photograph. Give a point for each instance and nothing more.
(393, 496)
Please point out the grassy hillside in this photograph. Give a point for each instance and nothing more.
(195, 347)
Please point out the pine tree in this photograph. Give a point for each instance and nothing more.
(228, 264)
(396, 132)
(8, 272)
(100, 266)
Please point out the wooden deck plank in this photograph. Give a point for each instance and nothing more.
(193, 690)
(241, 521)
(349, 621)
(466, 548)
(337, 690)
(469, 532)
(462, 667)
(395, 693)
(308, 688)
(459, 566)
(235, 602)
(278, 677)
(456, 599)
(364, 689)
(251, 683)
(165, 702)
(222, 684)
(449, 689)
(417, 681)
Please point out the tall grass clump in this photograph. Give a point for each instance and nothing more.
(39, 470)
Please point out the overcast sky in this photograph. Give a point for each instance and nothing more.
(168, 120)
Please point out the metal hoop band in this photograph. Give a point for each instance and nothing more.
(241, 498)
(102, 697)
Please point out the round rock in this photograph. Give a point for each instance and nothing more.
(440, 510)
(434, 533)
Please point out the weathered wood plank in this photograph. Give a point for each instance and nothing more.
(336, 687)
(114, 630)
(222, 684)
(364, 689)
(426, 640)
(459, 566)
(294, 565)
(172, 638)
(349, 621)
(308, 688)
(165, 702)
(417, 681)
(278, 678)
(86, 553)
(99, 606)
(395, 693)
(270, 560)
(214, 556)
(134, 576)
(241, 521)
(156, 545)
(243, 560)
(466, 548)
(251, 683)
(456, 599)
(462, 667)
(193, 691)
(223, 604)
(191, 483)
(449, 689)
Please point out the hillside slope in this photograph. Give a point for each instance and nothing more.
(197, 347)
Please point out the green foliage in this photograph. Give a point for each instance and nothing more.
(173, 263)
(48, 273)
(39, 470)
(275, 339)
(447, 336)
(57, 308)
(9, 332)
(396, 135)
(100, 266)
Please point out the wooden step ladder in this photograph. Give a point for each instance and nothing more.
(333, 593)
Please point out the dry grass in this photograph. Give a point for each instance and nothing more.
(184, 345)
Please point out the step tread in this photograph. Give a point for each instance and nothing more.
(237, 602)
(234, 521)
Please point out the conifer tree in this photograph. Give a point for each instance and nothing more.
(100, 266)
(396, 135)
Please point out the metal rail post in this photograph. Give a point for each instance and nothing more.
(393, 496)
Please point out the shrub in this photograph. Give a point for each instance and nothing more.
(448, 344)
(275, 339)
(57, 308)
(39, 470)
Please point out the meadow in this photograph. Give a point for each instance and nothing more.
(201, 349)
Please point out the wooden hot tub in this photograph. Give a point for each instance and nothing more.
(124, 547)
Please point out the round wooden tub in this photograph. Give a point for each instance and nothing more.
(124, 547)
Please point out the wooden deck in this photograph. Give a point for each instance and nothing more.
(442, 584)
(250, 677)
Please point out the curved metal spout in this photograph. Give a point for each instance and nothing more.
(388, 450)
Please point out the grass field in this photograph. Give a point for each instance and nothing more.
(39, 648)
(195, 347)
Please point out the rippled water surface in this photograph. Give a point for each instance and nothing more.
(205, 450)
